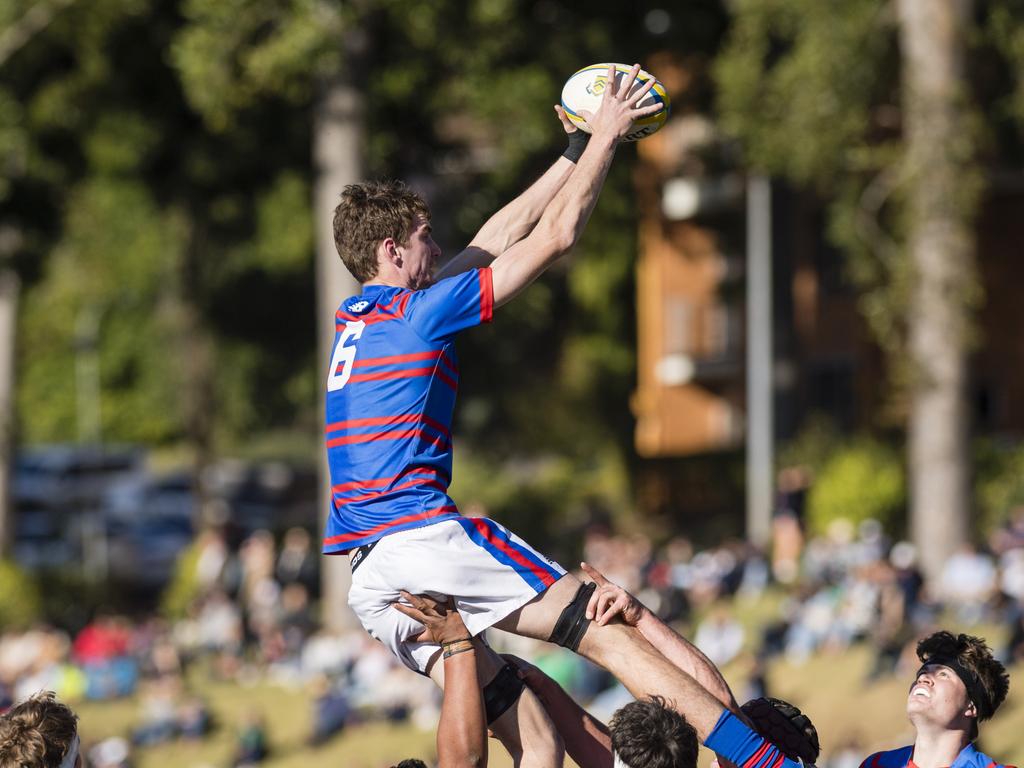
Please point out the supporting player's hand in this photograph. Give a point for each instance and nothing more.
(443, 623)
(618, 110)
(610, 600)
(567, 124)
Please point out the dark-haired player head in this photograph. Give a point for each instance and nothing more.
(648, 734)
(958, 685)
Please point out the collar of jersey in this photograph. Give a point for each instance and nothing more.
(377, 288)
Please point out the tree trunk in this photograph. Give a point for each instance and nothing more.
(9, 290)
(941, 251)
(198, 373)
(338, 155)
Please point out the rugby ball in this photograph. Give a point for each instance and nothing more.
(582, 92)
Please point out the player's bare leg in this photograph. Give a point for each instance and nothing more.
(619, 648)
(524, 729)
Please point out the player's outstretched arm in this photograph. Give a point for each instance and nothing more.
(586, 739)
(610, 600)
(513, 222)
(564, 219)
(462, 730)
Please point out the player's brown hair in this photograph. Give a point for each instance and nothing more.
(647, 733)
(985, 674)
(36, 733)
(370, 213)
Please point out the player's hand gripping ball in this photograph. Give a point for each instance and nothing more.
(583, 91)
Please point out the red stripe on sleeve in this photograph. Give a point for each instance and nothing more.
(486, 295)
(757, 756)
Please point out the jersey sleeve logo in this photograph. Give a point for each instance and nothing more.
(358, 307)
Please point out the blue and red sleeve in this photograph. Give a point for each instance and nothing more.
(733, 739)
(439, 312)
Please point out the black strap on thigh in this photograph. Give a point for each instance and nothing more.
(501, 693)
(573, 623)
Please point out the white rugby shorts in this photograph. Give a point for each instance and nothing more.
(487, 569)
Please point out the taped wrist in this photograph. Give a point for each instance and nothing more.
(577, 143)
(573, 622)
(501, 693)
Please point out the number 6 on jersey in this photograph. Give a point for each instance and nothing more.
(344, 356)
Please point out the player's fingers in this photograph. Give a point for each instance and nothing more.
(609, 609)
(602, 606)
(595, 575)
(592, 603)
(567, 124)
(410, 598)
(628, 79)
(612, 87)
(638, 93)
(409, 611)
(648, 109)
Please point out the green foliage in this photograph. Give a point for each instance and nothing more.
(860, 480)
(20, 602)
(812, 90)
(999, 485)
(813, 446)
(797, 79)
(233, 52)
(112, 266)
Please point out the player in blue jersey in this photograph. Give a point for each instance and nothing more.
(391, 390)
(958, 685)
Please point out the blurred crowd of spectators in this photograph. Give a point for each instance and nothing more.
(252, 618)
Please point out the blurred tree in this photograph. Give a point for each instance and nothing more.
(875, 106)
(136, 219)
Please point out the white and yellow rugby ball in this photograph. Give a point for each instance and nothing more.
(582, 92)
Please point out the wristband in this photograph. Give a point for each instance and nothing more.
(577, 143)
(451, 649)
(446, 643)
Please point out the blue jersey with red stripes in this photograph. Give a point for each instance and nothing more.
(736, 741)
(390, 398)
(969, 757)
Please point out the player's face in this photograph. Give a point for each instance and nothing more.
(939, 696)
(419, 255)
